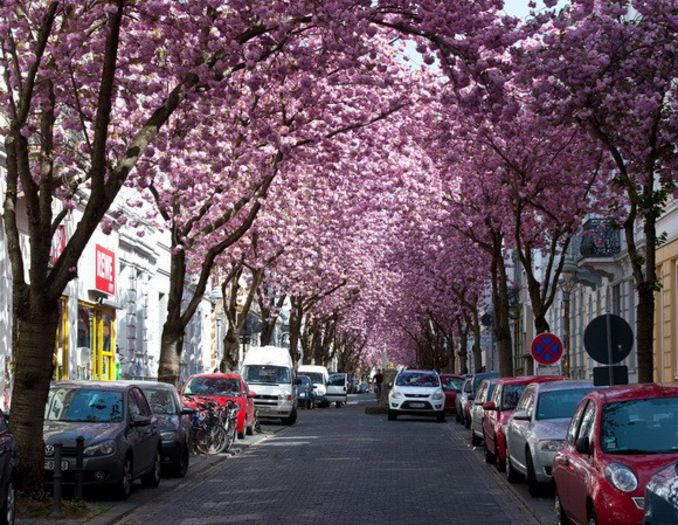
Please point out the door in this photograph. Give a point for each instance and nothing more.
(141, 437)
(581, 466)
(336, 388)
(518, 430)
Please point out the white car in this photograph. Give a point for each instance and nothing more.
(417, 392)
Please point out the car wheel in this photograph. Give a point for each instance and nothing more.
(7, 512)
(561, 518)
(475, 440)
(592, 518)
(124, 488)
(489, 456)
(292, 419)
(533, 485)
(440, 418)
(392, 416)
(499, 463)
(512, 475)
(467, 422)
(181, 469)
(152, 478)
(250, 430)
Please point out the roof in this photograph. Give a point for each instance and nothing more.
(148, 384)
(216, 376)
(636, 391)
(566, 384)
(418, 371)
(520, 380)
(101, 385)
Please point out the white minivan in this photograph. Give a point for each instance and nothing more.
(328, 388)
(270, 373)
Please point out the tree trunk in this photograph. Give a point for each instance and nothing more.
(502, 325)
(33, 356)
(477, 348)
(229, 361)
(171, 346)
(295, 329)
(541, 325)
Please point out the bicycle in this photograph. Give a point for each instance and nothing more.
(214, 427)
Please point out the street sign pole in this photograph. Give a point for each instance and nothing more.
(610, 357)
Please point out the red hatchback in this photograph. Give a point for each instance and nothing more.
(452, 384)
(498, 410)
(617, 439)
(222, 388)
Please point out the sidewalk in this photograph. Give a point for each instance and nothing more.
(114, 511)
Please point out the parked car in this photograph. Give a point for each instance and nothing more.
(452, 384)
(462, 400)
(661, 497)
(416, 392)
(337, 389)
(319, 375)
(537, 428)
(485, 391)
(7, 465)
(222, 388)
(122, 442)
(305, 395)
(617, 440)
(468, 398)
(363, 388)
(271, 371)
(174, 423)
(498, 410)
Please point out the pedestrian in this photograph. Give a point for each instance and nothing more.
(378, 380)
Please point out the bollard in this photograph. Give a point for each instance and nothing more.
(57, 511)
(79, 449)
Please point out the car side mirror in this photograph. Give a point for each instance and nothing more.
(141, 421)
(521, 415)
(490, 405)
(583, 446)
(251, 393)
(188, 411)
(390, 385)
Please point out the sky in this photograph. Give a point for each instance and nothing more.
(519, 7)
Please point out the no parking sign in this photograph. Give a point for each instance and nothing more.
(547, 349)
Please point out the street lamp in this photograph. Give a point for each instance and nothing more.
(568, 276)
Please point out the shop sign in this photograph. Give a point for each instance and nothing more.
(105, 270)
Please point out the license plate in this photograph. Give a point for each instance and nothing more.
(49, 464)
(417, 405)
(263, 409)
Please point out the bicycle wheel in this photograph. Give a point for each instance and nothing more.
(230, 432)
(216, 439)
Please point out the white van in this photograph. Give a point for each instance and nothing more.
(270, 373)
(319, 377)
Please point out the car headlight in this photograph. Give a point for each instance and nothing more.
(551, 445)
(100, 449)
(169, 435)
(396, 395)
(622, 477)
(49, 450)
(438, 394)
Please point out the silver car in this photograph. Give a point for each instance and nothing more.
(537, 428)
(485, 391)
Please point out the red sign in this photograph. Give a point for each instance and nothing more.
(58, 244)
(105, 270)
(547, 349)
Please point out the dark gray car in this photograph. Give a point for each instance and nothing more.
(661, 497)
(7, 464)
(121, 438)
(174, 423)
(305, 392)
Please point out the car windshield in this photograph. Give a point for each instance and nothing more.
(641, 426)
(510, 396)
(89, 405)
(267, 374)
(560, 403)
(212, 386)
(422, 379)
(316, 377)
(452, 383)
(305, 382)
(162, 401)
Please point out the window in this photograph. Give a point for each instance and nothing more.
(143, 404)
(337, 380)
(559, 404)
(267, 374)
(419, 379)
(587, 422)
(574, 423)
(213, 386)
(89, 405)
(134, 408)
(526, 401)
(510, 396)
(161, 400)
(467, 386)
(452, 383)
(480, 396)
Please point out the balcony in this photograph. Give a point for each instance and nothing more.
(598, 248)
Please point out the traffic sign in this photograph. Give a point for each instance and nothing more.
(547, 349)
(608, 339)
(610, 375)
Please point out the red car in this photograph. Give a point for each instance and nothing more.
(498, 410)
(617, 439)
(222, 388)
(452, 384)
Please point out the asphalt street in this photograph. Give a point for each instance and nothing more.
(341, 466)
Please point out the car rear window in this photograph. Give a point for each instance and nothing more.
(560, 403)
(210, 386)
(161, 401)
(511, 395)
(640, 426)
(452, 383)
